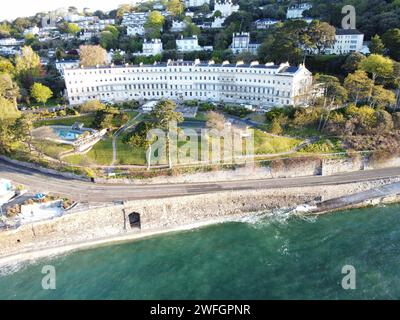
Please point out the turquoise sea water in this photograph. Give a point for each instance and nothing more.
(271, 258)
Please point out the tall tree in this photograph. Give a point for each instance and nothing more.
(23, 129)
(378, 66)
(164, 114)
(335, 96)
(108, 40)
(358, 85)
(90, 56)
(41, 93)
(376, 46)
(6, 132)
(124, 8)
(155, 20)
(7, 110)
(391, 39)
(73, 28)
(27, 66)
(382, 98)
(8, 89)
(191, 29)
(176, 7)
(352, 62)
(215, 120)
(154, 24)
(6, 66)
(321, 35)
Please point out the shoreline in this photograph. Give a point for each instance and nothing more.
(66, 249)
(55, 251)
(223, 208)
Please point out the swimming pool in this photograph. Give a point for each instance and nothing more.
(69, 135)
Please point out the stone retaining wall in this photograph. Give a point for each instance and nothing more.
(113, 220)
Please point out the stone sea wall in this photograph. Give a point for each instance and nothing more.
(113, 220)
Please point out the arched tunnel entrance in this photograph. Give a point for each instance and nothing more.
(134, 220)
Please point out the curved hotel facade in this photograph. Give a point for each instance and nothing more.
(256, 84)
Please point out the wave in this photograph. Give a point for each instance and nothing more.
(280, 216)
(8, 269)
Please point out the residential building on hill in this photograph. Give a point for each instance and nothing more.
(190, 44)
(134, 23)
(265, 23)
(152, 47)
(265, 85)
(241, 43)
(347, 41)
(226, 7)
(296, 11)
(196, 3)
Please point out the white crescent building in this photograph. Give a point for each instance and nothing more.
(257, 84)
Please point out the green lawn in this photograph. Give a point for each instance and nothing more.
(87, 120)
(200, 116)
(324, 146)
(101, 154)
(126, 154)
(305, 132)
(257, 117)
(50, 148)
(265, 143)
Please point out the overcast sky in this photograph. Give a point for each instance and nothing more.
(23, 8)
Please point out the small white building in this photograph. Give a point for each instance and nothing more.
(152, 47)
(241, 43)
(226, 7)
(188, 44)
(149, 106)
(217, 23)
(265, 23)
(135, 30)
(7, 191)
(134, 23)
(111, 53)
(158, 6)
(178, 26)
(87, 35)
(34, 30)
(296, 11)
(9, 51)
(196, 3)
(347, 41)
(75, 18)
(189, 13)
(10, 42)
(62, 65)
(95, 24)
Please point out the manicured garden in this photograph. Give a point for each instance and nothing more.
(100, 154)
(87, 120)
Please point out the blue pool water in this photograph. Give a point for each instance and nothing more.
(67, 134)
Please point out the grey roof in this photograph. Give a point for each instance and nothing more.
(347, 31)
(290, 69)
(287, 69)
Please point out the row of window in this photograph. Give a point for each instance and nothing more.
(183, 78)
(158, 94)
(174, 70)
(204, 87)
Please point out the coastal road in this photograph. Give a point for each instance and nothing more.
(91, 192)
